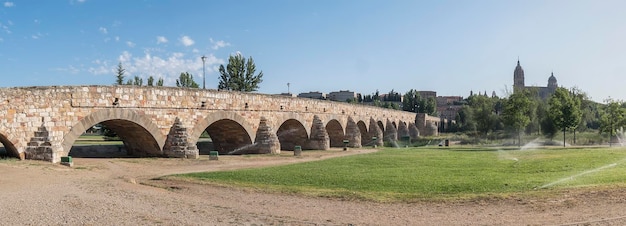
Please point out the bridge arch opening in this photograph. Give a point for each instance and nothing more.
(335, 133)
(292, 133)
(7, 149)
(381, 126)
(365, 138)
(228, 137)
(115, 138)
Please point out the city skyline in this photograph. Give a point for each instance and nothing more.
(451, 47)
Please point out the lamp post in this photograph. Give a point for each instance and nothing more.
(288, 92)
(203, 72)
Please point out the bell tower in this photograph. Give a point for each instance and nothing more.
(518, 77)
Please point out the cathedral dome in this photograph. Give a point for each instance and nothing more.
(552, 81)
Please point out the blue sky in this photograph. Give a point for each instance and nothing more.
(451, 47)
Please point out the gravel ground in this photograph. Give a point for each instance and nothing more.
(113, 191)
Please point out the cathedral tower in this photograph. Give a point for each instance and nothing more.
(518, 77)
(552, 83)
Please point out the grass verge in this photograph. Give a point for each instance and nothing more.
(412, 174)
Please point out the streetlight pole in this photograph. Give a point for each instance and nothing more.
(288, 88)
(203, 72)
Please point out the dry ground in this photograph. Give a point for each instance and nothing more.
(113, 192)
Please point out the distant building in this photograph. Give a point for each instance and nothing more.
(342, 95)
(288, 94)
(313, 95)
(449, 112)
(448, 100)
(427, 94)
(543, 92)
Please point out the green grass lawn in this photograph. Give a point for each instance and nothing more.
(435, 173)
(96, 140)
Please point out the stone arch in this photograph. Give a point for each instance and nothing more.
(8, 148)
(204, 123)
(381, 125)
(139, 134)
(335, 133)
(292, 133)
(278, 120)
(365, 137)
(228, 136)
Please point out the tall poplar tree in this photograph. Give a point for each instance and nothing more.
(238, 75)
(119, 74)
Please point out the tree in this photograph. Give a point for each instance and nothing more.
(613, 117)
(239, 75)
(150, 81)
(137, 81)
(186, 80)
(564, 110)
(160, 82)
(410, 101)
(465, 119)
(517, 111)
(413, 102)
(120, 74)
(483, 113)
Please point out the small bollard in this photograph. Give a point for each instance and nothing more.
(213, 155)
(374, 141)
(67, 161)
(297, 150)
(345, 144)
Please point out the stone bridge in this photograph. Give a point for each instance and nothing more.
(43, 123)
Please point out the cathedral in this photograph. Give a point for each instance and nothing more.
(542, 91)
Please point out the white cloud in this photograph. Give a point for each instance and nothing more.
(5, 28)
(125, 57)
(186, 41)
(101, 68)
(130, 44)
(9, 4)
(103, 30)
(167, 67)
(218, 44)
(161, 39)
(70, 69)
(117, 38)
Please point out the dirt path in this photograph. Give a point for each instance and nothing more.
(111, 192)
